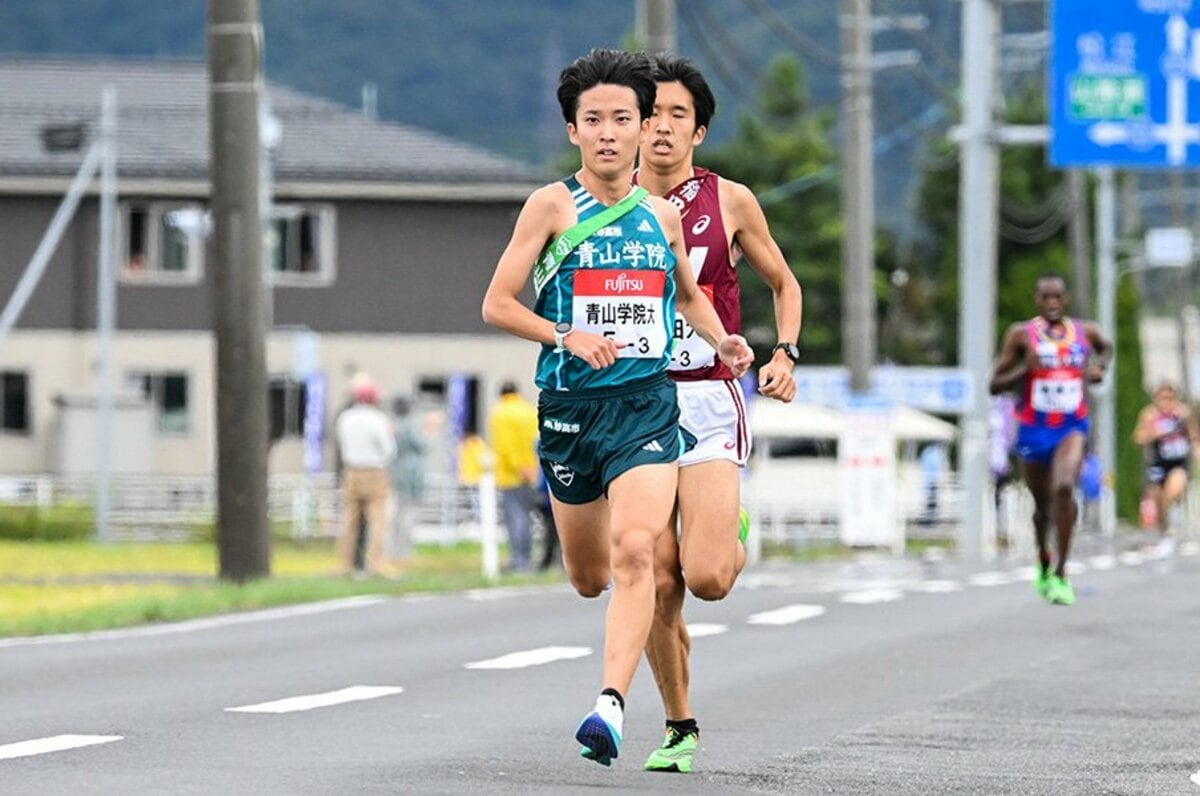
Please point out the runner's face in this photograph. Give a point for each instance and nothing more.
(1051, 299)
(607, 129)
(1164, 397)
(673, 133)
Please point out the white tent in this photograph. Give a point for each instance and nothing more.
(772, 419)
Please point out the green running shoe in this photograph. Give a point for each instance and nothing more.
(743, 524)
(1041, 581)
(676, 752)
(1060, 592)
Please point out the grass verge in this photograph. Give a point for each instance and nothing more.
(81, 586)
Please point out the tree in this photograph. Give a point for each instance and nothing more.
(785, 157)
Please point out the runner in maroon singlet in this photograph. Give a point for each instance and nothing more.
(721, 221)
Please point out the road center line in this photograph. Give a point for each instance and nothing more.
(788, 615)
(535, 657)
(989, 579)
(872, 596)
(355, 693)
(55, 743)
(702, 629)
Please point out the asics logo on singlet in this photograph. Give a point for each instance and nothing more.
(563, 473)
(623, 283)
(701, 224)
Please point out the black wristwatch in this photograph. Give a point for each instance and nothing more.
(791, 349)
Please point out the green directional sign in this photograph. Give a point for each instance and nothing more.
(1107, 96)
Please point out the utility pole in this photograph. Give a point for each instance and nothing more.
(106, 310)
(1079, 237)
(655, 26)
(858, 195)
(235, 86)
(977, 253)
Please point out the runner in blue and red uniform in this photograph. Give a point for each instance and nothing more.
(722, 221)
(1052, 358)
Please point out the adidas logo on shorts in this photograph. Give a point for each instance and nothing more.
(653, 446)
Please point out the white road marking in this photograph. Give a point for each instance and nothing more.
(989, 579)
(1076, 568)
(537, 657)
(1102, 562)
(702, 629)
(872, 596)
(1025, 574)
(1131, 558)
(355, 693)
(193, 625)
(55, 743)
(936, 586)
(788, 615)
(1189, 549)
(1196, 778)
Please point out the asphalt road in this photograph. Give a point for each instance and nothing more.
(874, 676)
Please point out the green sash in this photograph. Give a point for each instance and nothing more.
(562, 246)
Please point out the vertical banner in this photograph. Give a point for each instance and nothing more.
(867, 475)
(314, 421)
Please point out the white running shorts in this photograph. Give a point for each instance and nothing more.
(715, 413)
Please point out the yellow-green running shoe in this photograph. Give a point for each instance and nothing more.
(676, 752)
(1060, 592)
(1041, 580)
(743, 524)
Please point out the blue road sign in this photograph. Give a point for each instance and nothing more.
(1124, 83)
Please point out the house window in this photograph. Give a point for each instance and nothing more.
(286, 400)
(164, 241)
(300, 244)
(168, 393)
(14, 401)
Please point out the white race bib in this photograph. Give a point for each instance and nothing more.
(1174, 447)
(1057, 395)
(691, 352)
(624, 306)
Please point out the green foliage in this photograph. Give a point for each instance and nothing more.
(786, 161)
(64, 522)
(1130, 399)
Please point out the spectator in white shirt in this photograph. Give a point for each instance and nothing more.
(367, 446)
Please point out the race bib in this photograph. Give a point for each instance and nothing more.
(1176, 446)
(1057, 395)
(625, 306)
(691, 352)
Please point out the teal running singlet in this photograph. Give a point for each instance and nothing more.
(619, 283)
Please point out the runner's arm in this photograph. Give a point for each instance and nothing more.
(1012, 364)
(1103, 349)
(540, 220)
(752, 234)
(1143, 432)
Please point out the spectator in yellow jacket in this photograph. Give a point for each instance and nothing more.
(513, 430)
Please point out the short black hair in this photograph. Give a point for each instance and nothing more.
(677, 69)
(508, 387)
(612, 67)
(1050, 276)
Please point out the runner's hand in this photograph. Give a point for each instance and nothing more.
(775, 379)
(735, 353)
(595, 349)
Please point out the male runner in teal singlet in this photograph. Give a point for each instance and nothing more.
(721, 221)
(607, 413)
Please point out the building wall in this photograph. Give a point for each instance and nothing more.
(64, 363)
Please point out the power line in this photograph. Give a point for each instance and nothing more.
(714, 60)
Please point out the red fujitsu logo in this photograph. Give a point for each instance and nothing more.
(623, 283)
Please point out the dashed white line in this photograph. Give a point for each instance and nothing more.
(1189, 549)
(1196, 778)
(355, 693)
(702, 629)
(1131, 558)
(535, 657)
(788, 615)
(936, 586)
(989, 579)
(872, 596)
(55, 743)
(1102, 562)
